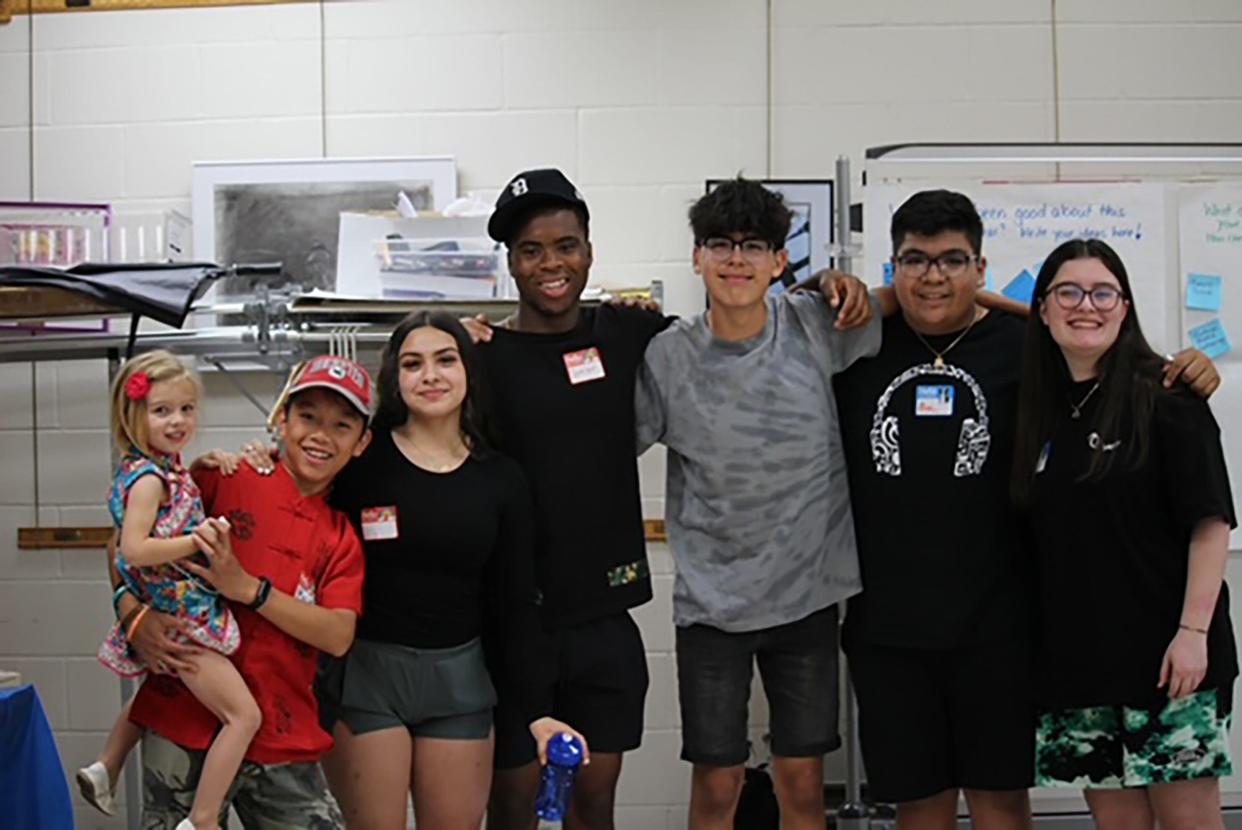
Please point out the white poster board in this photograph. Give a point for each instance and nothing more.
(1024, 222)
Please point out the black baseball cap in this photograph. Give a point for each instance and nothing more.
(529, 191)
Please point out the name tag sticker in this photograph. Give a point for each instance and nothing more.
(583, 366)
(934, 401)
(379, 523)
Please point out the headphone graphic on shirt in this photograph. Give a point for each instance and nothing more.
(973, 441)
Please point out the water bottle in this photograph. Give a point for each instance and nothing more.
(556, 785)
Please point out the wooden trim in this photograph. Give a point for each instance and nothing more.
(6, 11)
(39, 538)
(44, 538)
(55, 6)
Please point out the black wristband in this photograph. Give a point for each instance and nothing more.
(261, 595)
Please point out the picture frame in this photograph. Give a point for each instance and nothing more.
(289, 210)
(812, 231)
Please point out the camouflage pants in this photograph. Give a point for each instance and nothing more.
(264, 796)
(1118, 746)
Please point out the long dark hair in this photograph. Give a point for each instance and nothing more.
(1129, 375)
(476, 423)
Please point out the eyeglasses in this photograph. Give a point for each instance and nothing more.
(917, 263)
(1069, 295)
(720, 248)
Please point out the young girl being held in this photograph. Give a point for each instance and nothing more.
(156, 505)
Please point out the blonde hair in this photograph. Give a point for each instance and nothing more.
(129, 416)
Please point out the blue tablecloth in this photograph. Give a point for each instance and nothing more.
(33, 792)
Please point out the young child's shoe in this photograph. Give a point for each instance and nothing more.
(97, 788)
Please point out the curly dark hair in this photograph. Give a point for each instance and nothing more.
(741, 206)
(932, 212)
(477, 424)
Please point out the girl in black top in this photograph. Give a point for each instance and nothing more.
(448, 536)
(1130, 504)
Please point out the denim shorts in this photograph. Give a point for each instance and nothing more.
(798, 666)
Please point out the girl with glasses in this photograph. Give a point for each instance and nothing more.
(1129, 499)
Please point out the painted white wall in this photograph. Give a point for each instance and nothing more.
(638, 101)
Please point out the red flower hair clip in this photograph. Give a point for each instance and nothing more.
(138, 386)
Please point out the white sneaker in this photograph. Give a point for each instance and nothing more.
(96, 788)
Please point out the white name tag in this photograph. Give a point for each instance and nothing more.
(379, 523)
(584, 366)
(935, 401)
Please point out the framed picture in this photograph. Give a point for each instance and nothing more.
(811, 230)
(289, 211)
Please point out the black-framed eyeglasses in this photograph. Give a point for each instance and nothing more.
(917, 263)
(1069, 295)
(720, 248)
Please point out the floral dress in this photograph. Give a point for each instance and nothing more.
(167, 588)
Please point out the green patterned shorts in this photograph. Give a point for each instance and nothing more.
(1108, 747)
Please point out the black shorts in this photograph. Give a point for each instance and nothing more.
(599, 689)
(937, 719)
(798, 665)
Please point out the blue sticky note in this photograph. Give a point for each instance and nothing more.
(1203, 292)
(1211, 339)
(990, 280)
(1021, 287)
(888, 273)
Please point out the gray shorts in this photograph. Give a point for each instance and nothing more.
(264, 796)
(432, 692)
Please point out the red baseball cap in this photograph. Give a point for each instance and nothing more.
(343, 376)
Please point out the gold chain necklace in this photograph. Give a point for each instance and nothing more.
(1076, 409)
(939, 361)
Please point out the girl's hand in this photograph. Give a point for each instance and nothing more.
(1185, 663)
(225, 574)
(222, 460)
(260, 456)
(545, 729)
(159, 647)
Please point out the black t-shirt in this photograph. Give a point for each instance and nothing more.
(445, 554)
(1113, 554)
(576, 444)
(943, 555)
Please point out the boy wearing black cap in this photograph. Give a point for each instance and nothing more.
(563, 378)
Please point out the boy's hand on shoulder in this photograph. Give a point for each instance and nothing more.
(848, 295)
(1195, 369)
(630, 301)
(478, 327)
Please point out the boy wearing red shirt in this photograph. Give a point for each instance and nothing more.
(293, 568)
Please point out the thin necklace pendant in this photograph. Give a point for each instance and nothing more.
(939, 364)
(1076, 408)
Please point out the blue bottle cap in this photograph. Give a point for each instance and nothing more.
(564, 750)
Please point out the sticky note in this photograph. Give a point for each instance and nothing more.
(990, 280)
(1211, 339)
(1203, 292)
(888, 273)
(1021, 287)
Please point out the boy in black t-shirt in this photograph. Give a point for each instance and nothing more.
(939, 640)
(563, 378)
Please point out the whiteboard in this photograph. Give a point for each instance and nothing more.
(1023, 222)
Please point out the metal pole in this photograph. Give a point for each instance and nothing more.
(853, 812)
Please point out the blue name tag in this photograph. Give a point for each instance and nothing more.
(933, 401)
